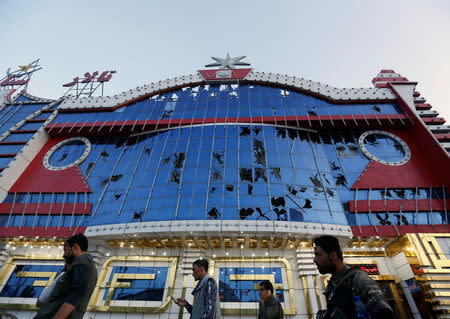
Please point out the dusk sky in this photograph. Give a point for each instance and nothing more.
(339, 43)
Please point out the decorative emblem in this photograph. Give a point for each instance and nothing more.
(20, 76)
(397, 144)
(227, 63)
(65, 154)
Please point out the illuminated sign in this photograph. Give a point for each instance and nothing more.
(370, 269)
(88, 78)
(89, 83)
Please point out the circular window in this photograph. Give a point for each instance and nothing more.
(67, 153)
(384, 147)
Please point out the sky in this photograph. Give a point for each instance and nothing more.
(339, 43)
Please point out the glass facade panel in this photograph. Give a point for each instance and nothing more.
(228, 101)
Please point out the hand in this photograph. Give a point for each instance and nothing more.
(180, 301)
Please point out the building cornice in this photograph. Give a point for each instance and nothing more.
(337, 95)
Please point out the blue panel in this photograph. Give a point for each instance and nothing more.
(10, 148)
(12, 114)
(18, 286)
(31, 126)
(140, 289)
(18, 137)
(244, 290)
(227, 101)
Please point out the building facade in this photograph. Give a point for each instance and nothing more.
(237, 166)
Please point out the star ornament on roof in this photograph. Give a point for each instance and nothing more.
(227, 63)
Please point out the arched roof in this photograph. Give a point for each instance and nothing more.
(337, 95)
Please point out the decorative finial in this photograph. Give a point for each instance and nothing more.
(227, 63)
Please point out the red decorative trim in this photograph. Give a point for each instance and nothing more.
(316, 122)
(38, 179)
(416, 94)
(225, 74)
(389, 230)
(422, 106)
(393, 79)
(443, 137)
(395, 205)
(387, 71)
(62, 232)
(433, 120)
(8, 98)
(36, 120)
(45, 209)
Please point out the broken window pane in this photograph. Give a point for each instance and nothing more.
(260, 173)
(245, 212)
(246, 175)
(245, 131)
(179, 160)
(214, 213)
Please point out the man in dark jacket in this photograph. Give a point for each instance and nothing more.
(346, 283)
(70, 297)
(269, 306)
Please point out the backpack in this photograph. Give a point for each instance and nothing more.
(340, 304)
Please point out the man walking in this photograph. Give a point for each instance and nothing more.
(70, 296)
(346, 284)
(206, 295)
(269, 306)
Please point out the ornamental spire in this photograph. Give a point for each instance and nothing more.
(227, 62)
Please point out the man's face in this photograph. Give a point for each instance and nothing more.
(197, 272)
(68, 254)
(322, 261)
(263, 293)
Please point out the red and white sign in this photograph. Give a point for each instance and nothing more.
(224, 74)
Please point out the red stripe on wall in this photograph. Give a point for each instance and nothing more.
(395, 205)
(45, 209)
(389, 230)
(64, 232)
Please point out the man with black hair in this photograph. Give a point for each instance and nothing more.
(70, 296)
(206, 295)
(269, 306)
(346, 283)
